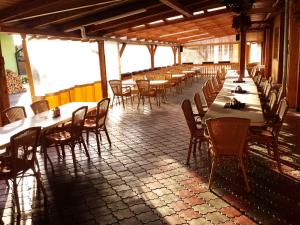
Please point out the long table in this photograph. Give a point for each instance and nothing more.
(252, 110)
(44, 120)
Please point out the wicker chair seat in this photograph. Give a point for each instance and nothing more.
(59, 136)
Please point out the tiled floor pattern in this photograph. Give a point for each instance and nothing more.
(142, 178)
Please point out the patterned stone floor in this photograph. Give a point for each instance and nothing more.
(142, 178)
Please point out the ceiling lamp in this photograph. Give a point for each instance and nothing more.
(239, 6)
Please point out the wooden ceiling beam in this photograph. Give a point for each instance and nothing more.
(23, 8)
(56, 7)
(109, 15)
(204, 16)
(48, 32)
(69, 14)
(150, 16)
(173, 4)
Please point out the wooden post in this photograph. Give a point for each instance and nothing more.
(152, 50)
(242, 53)
(174, 48)
(268, 52)
(28, 68)
(122, 49)
(4, 99)
(102, 64)
(248, 51)
(179, 54)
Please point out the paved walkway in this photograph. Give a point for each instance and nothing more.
(142, 178)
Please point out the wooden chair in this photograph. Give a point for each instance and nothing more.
(96, 123)
(228, 139)
(21, 160)
(197, 134)
(208, 98)
(40, 106)
(201, 109)
(120, 92)
(146, 91)
(67, 135)
(268, 135)
(13, 114)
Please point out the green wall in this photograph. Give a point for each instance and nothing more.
(8, 52)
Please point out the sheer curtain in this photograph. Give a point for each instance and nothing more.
(112, 62)
(134, 58)
(163, 56)
(60, 64)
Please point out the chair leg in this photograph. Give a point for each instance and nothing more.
(85, 148)
(98, 142)
(107, 136)
(63, 150)
(212, 172)
(244, 174)
(123, 101)
(39, 182)
(87, 137)
(73, 156)
(277, 158)
(189, 152)
(57, 150)
(139, 99)
(150, 102)
(112, 103)
(15, 187)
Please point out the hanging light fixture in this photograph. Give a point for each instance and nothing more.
(239, 6)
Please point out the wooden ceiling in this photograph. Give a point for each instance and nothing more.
(173, 22)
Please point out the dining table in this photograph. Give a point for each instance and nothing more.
(157, 84)
(44, 120)
(252, 106)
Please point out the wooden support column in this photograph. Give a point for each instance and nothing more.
(28, 68)
(102, 64)
(242, 53)
(152, 50)
(268, 52)
(179, 54)
(4, 99)
(122, 49)
(293, 78)
(174, 48)
(248, 49)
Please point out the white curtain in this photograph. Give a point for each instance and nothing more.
(112, 62)
(134, 58)
(163, 56)
(59, 64)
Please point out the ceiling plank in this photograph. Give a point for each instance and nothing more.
(107, 15)
(69, 14)
(150, 17)
(23, 8)
(204, 15)
(48, 32)
(56, 7)
(178, 7)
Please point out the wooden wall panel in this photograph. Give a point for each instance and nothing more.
(293, 60)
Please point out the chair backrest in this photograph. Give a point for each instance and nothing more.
(268, 90)
(13, 114)
(210, 86)
(279, 94)
(189, 116)
(23, 147)
(102, 109)
(198, 103)
(272, 102)
(280, 116)
(228, 134)
(143, 86)
(78, 117)
(116, 86)
(206, 94)
(40, 106)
